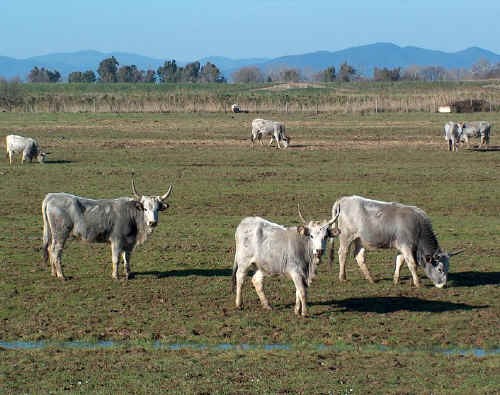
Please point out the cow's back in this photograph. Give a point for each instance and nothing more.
(378, 224)
(270, 246)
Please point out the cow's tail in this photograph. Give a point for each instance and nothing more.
(47, 233)
(334, 232)
(233, 279)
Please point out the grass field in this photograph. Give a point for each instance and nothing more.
(359, 338)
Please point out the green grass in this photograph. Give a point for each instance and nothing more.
(181, 290)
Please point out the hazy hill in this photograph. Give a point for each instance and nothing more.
(363, 58)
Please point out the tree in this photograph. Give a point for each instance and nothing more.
(327, 75)
(150, 76)
(43, 75)
(247, 75)
(290, 75)
(210, 73)
(77, 76)
(108, 69)
(190, 72)
(129, 74)
(347, 72)
(168, 72)
(386, 74)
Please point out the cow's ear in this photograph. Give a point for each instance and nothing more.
(428, 259)
(163, 206)
(139, 206)
(302, 230)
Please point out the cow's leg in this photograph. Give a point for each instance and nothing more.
(10, 157)
(115, 258)
(343, 249)
(276, 137)
(240, 278)
(55, 259)
(359, 253)
(450, 148)
(400, 259)
(331, 255)
(257, 280)
(126, 263)
(412, 265)
(300, 294)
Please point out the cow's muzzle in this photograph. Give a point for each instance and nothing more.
(152, 224)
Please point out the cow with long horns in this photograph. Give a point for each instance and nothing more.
(123, 222)
(272, 249)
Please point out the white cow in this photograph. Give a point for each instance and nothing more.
(274, 129)
(481, 129)
(452, 132)
(26, 145)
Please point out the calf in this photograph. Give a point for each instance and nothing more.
(273, 249)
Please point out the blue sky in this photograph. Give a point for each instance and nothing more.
(191, 29)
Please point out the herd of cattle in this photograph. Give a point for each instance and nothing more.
(267, 248)
(457, 132)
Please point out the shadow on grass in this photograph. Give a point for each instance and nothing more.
(186, 273)
(473, 279)
(57, 162)
(391, 304)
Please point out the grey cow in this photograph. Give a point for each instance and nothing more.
(452, 132)
(124, 222)
(479, 129)
(26, 145)
(273, 249)
(276, 130)
(373, 224)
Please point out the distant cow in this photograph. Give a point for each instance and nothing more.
(124, 222)
(479, 129)
(452, 135)
(235, 108)
(372, 224)
(26, 145)
(272, 249)
(276, 130)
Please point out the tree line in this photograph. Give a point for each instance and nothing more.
(110, 71)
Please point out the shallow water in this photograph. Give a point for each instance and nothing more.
(105, 344)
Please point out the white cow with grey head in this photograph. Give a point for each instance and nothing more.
(373, 224)
(272, 249)
(452, 131)
(273, 129)
(28, 147)
(123, 222)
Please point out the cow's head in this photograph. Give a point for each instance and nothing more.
(42, 156)
(317, 231)
(437, 265)
(286, 140)
(151, 205)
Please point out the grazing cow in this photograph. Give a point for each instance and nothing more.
(479, 129)
(272, 249)
(452, 135)
(26, 145)
(274, 129)
(372, 224)
(124, 222)
(235, 108)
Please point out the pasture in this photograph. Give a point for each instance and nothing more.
(358, 338)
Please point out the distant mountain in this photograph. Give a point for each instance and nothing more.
(364, 58)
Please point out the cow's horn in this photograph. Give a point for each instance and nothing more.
(168, 193)
(455, 252)
(300, 214)
(134, 191)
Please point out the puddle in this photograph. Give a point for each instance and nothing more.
(105, 344)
